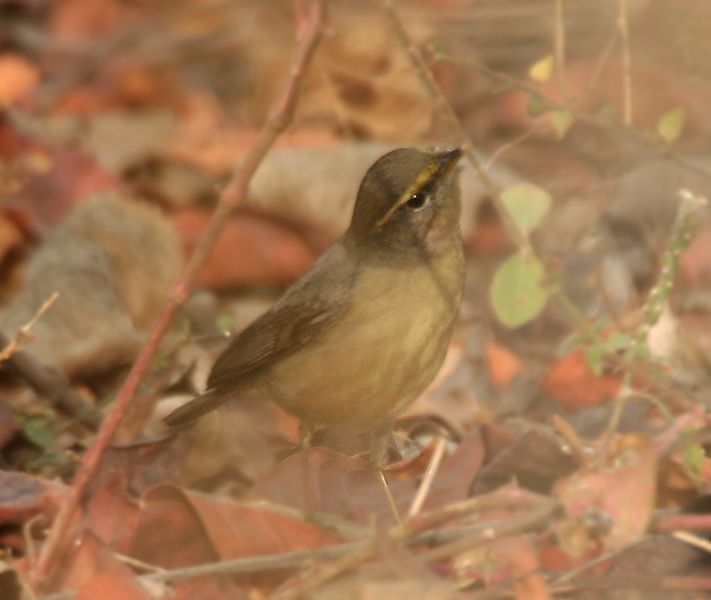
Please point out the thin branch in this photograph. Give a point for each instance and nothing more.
(296, 558)
(23, 333)
(515, 525)
(559, 49)
(665, 522)
(423, 71)
(508, 497)
(693, 540)
(612, 128)
(51, 383)
(58, 540)
(427, 480)
(623, 25)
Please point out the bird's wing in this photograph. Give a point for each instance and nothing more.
(307, 310)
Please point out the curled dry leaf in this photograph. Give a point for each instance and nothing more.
(179, 528)
(612, 503)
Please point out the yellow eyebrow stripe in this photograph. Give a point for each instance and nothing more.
(425, 176)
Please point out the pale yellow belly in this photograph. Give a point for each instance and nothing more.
(375, 362)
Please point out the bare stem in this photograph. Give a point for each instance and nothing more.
(423, 71)
(59, 538)
(623, 25)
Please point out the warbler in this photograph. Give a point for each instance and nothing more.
(357, 339)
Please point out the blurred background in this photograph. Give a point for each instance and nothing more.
(122, 120)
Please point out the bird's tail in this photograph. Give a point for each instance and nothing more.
(189, 412)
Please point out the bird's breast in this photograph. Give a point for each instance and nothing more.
(381, 354)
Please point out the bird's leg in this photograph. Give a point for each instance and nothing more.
(305, 435)
(378, 454)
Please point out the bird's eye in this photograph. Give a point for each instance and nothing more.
(417, 201)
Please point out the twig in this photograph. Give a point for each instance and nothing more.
(665, 522)
(288, 560)
(513, 231)
(679, 239)
(23, 333)
(427, 480)
(279, 118)
(423, 71)
(51, 383)
(559, 52)
(511, 526)
(622, 24)
(612, 128)
(389, 497)
(507, 497)
(693, 540)
(576, 445)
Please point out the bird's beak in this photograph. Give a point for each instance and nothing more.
(447, 160)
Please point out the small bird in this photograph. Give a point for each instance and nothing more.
(356, 339)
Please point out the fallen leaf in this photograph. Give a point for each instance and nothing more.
(179, 528)
(250, 250)
(616, 500)
(18, 76)
(112, 586)
(502, 364)
(573, 386)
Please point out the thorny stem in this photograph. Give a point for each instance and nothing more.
(60, 536)
(656, 299)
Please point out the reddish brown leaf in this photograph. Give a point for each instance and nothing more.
(503, 365)
(251, 249)
(18, 76)
(89, 559)
(178, 528)
(112, 586)
(613, 503)
(572, 385)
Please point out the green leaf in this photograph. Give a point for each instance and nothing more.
(436, 48)
(670, 124)
(618, 341)
(561, 121)
(693, 457)
(39, 431)
(595, 359)
(224, 322)
(527, 204)
(535, 107)
(186, 327)
(542, 70)
(517, 293)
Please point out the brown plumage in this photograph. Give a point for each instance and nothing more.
(354, 341)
